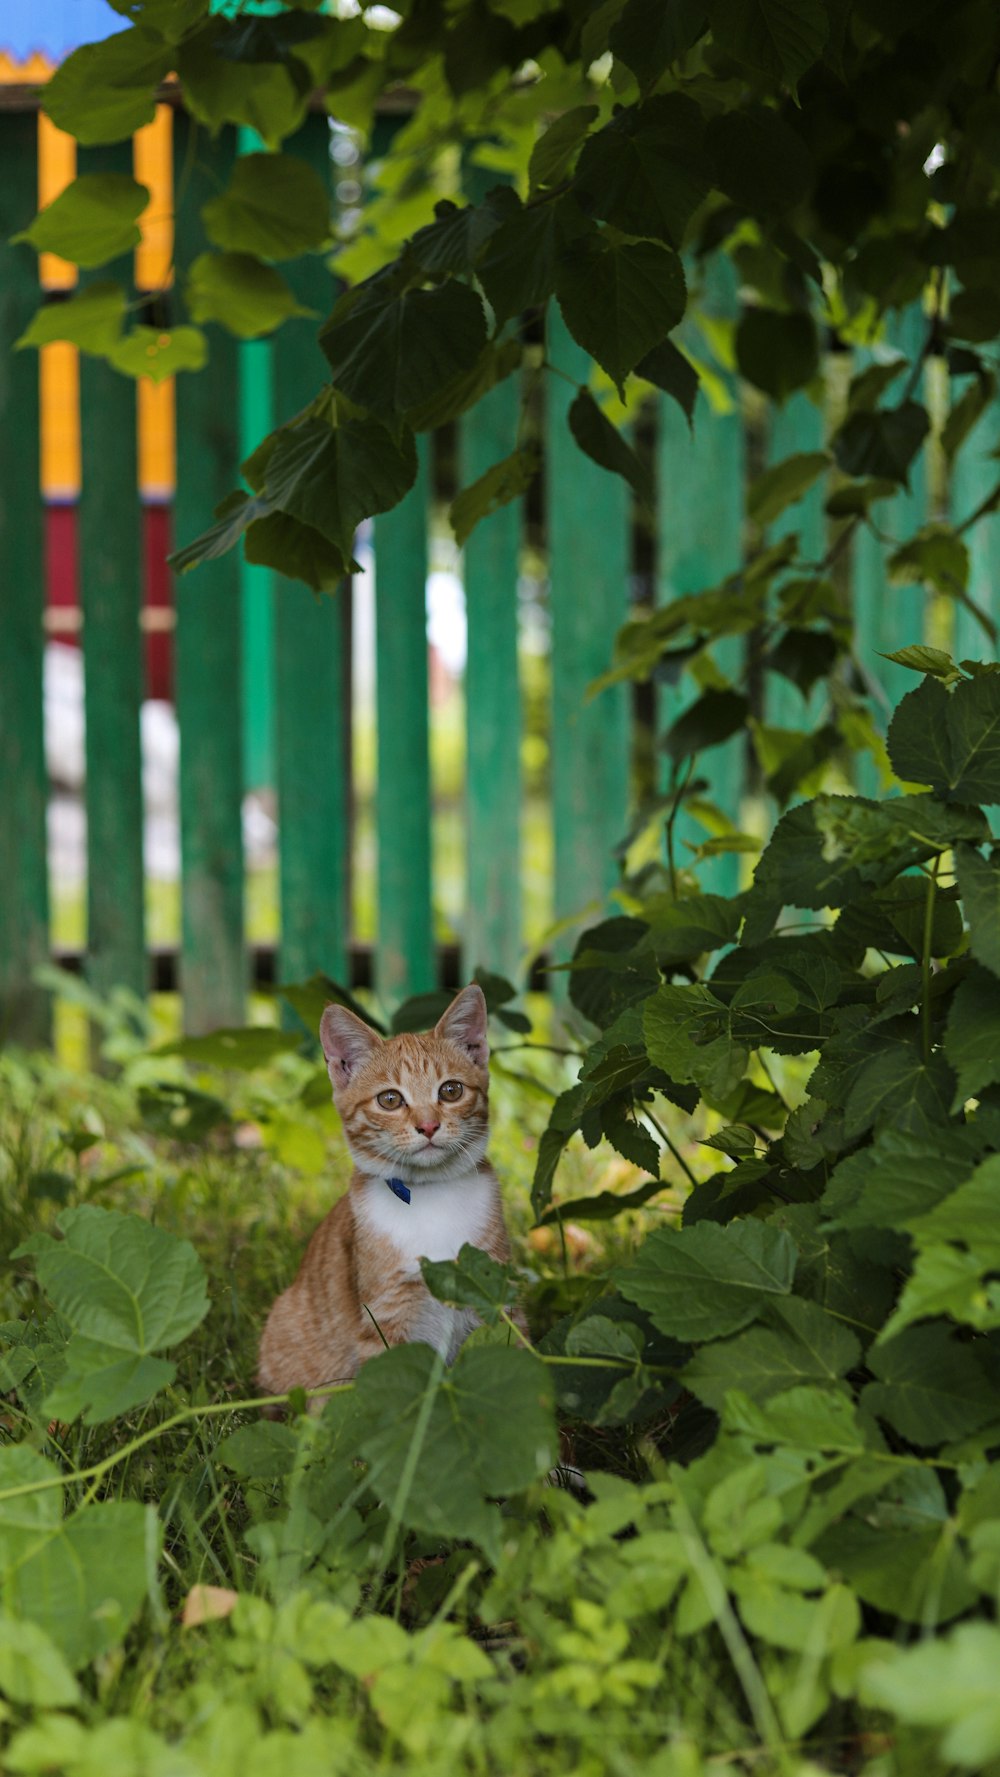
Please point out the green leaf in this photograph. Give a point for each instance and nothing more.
(824, 852)
(603, 1206)
(106, 91)
(929, 1387)
(945, 1280)
(91, 319)
(497, 360)
(32, 1670)
(233, 516)
(926, 660)
(948, 1683)
(443, 1445)
(82, 1578)
(391, 352)
(332, 477)
(868, 385)
(950, 739)
(669, 370)
(972, 1038)
(556, 149)
(777, 488)
(688, 1034)
(968, 1216)
(630, 1139)
(648, 35)
(979, 885)
(937, 556)
(705, 1281)
(800, 1418)
(802, 1345)
(856, 497)
(688, 928)
(918, 1575)
(91, 221)
(500, 484)
(275, 205)
(473, 1280)
(236, 290)
(619, 299)
(966, 412)
(776, 352)
(262, 1452)
(127, 1289)
(779, 37)
(759, 161)
(277, 540)
(149, 351)
(517, 267)
(645, 172)
(250, 1046)
(604, 444)
(713, 719)
(270, 96)
(881, 444)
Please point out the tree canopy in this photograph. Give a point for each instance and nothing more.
(844, 155)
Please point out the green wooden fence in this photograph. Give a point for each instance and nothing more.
(298, 650)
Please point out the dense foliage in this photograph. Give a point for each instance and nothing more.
(786, 1403)
(844, 156)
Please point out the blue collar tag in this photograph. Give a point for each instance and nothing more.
(398, 1189)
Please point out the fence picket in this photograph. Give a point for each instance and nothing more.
(208, 653)
(799, 426)
(701, 475)
(111, 599)
(492, 700)
(889, 617)
(588, 541)
(311, 684)
(404, 962)
(24, 894)
(973, 478)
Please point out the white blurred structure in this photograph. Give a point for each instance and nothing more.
(65, 760)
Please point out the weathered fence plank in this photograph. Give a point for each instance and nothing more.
(701, 478)
(208, 633)
(493, 935)
(799, 426)
(257, 583)
(887, 617)
(588, 542)
(405, 947)
(311, 675)
(974, 478)
(111, 600)
(24, 904)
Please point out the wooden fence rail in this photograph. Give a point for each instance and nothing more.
(588, 544)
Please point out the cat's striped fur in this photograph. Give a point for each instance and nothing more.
(360, 1287)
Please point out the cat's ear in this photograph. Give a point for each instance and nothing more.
(347, 1043)
(464, 1024)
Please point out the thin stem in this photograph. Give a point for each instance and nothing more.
(772, 1082)
(925, 962)
(209, 1411)
(668, 1144)
(986, 506)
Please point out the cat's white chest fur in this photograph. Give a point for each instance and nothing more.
(436, 1223)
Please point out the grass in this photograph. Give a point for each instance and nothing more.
(247, 1186)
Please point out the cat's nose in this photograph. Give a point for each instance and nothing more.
(428, 1129)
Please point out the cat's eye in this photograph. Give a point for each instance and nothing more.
(390, 1099)
(451, 1090)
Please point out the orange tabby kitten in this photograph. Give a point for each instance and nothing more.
(415, 1112)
